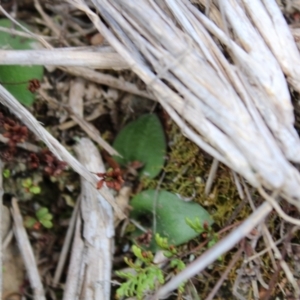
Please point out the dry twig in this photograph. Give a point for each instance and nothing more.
(63, 58)
(98, 233)
(66, 245)
(27, 253)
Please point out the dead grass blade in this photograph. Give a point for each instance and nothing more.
(27, 253)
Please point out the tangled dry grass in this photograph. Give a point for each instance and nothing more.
(223, 71)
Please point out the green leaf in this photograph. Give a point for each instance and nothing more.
(29, 222)
(35, 190)
(6, 173)
(27, 183)
(46, 223)
(42, 212)
(170, 212)
(162, 242)
(144, 256)
(16, 78)
(196, 224)
(125, 275)
(177, 263)
(47, 217)
(142, 140)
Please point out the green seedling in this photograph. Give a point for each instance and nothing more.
(43, 217)
(30, 187)
(146, 276)
(203, 228)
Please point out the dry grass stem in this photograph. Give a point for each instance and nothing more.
(20, 33)
(211, 176)
(73, 283)
(217, 286)
(69, 124)
(66, 246)
(27, 253)
(63, 58)
(98, 229)
(109, 80)
(7, 239)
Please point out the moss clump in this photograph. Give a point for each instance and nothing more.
(185, 173)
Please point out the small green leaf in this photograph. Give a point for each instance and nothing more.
(6, 173)
(142, 140)
(16, 78)
(170, 213)
(27, 183)
(47, 224)
(196, 224)
(144, 256)
(35, 190)
(47, 217)
(161, 242)
(177, 263)
(42, 212)
(125, 275)
(29, 222)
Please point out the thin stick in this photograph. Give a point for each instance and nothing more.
(70, 124)
(216, 251)
(66, 246)
(109, 81)
(217, 286)
(27, 253)
(13, 31)
(63, 58)
(94, 134)
(7, 239)
(238, 185)
(211, 176)
(71, 290)
(277, 207)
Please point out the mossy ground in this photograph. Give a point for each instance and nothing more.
(185, 173)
